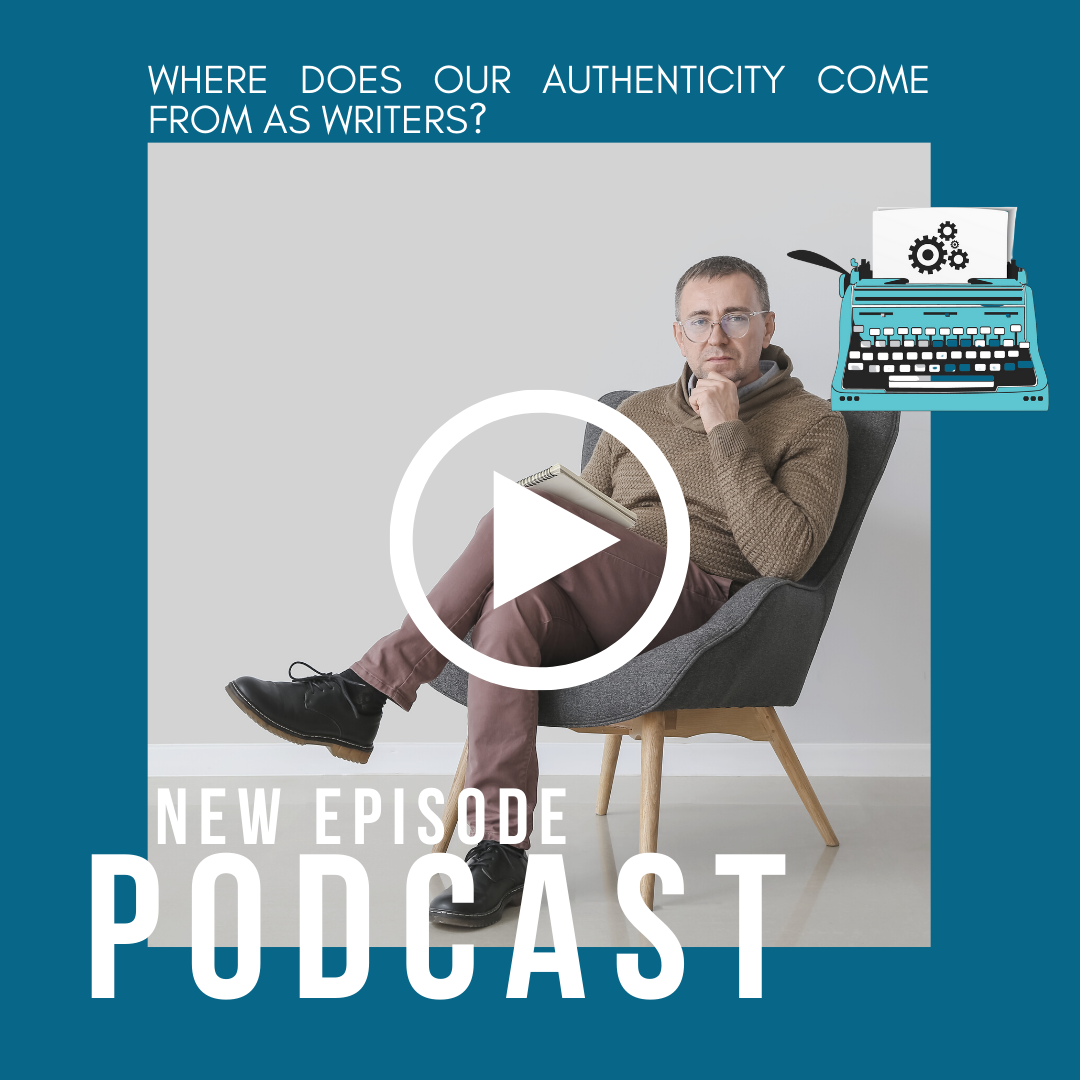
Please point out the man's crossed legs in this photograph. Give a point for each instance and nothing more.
(577, 613)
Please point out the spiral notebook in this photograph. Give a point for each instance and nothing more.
(559, 480)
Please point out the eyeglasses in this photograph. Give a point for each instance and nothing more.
(735, 325)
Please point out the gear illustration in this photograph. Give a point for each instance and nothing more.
(958, 259)
(927, 255)
(955, 244)
(947, 230)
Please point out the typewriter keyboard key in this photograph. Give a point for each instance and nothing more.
(920, 367)
(935, 367)
(888, 331)
(956, 355)
(965, 367)
(1010, 367)
(969, 354)
(941, 356)
(854, 367)
(1016, 328)
(984, 354)
(950, 367)
(980, 367)
(1024, 345)
(957, 330)
(905, 367)
(888, 367)
(896, 343)
(865, 342)
(984, 329)
(1014, 352)
(873, 331)
(999, 330)
(858, 328)
(909, 343)
(874, 368)
(916, 330)
(854, 355)
(972, 331)
(912, 356)
(881, 343)
(980, 342)
(901, 330)
(924, 342)
(926, 356)
(1009, 342)
(868, 356)
(995, 367)
(999, 354)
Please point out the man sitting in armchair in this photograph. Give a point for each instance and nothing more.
(761, 463)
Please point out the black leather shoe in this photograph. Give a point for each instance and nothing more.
(498, 874)
(323, 708)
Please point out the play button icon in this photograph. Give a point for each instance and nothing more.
(531, 559)
(535, 539)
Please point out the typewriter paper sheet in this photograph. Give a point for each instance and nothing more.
(942, 243)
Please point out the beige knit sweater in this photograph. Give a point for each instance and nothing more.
(762, 491)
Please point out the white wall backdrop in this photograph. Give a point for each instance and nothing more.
(315, 312)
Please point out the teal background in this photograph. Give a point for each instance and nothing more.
(992, 994)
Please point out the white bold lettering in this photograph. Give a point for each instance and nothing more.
(650, 925)
(545, 872)
(255, 820)
(750, 869)
(177, 814)
(417, 904)
(105, 931)
(363, 796)
(479, 810)
(313, 868)
(209, 815)
(248, 927)
(322, 815)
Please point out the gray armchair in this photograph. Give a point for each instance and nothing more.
(728, 675)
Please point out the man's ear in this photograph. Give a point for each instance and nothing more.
(770, 329)
(676, 329)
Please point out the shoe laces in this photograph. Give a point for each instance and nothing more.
(484, 853)
(324, 680)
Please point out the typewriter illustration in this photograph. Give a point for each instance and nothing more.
(911, 342)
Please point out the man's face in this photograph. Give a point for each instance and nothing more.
(734, 358)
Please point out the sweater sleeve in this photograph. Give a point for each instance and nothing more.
(781, 523)
(598, 471)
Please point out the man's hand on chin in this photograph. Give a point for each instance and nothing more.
(715, 399)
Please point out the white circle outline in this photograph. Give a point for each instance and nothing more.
(403, 519)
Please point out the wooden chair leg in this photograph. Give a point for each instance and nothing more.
(652, 763)
(781, 744)
(449, 818)
(612, 745)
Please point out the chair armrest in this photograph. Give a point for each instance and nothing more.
(730, 661)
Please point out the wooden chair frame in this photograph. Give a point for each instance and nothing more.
(757, 724)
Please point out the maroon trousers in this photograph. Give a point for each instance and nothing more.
(575, 614)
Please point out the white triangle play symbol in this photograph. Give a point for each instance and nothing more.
(535, 540)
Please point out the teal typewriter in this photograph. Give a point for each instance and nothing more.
(911, 343)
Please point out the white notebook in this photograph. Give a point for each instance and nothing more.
(559, 480)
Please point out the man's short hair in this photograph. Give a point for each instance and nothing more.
(719, 266)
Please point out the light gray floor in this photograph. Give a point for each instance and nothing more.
(874, 890)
